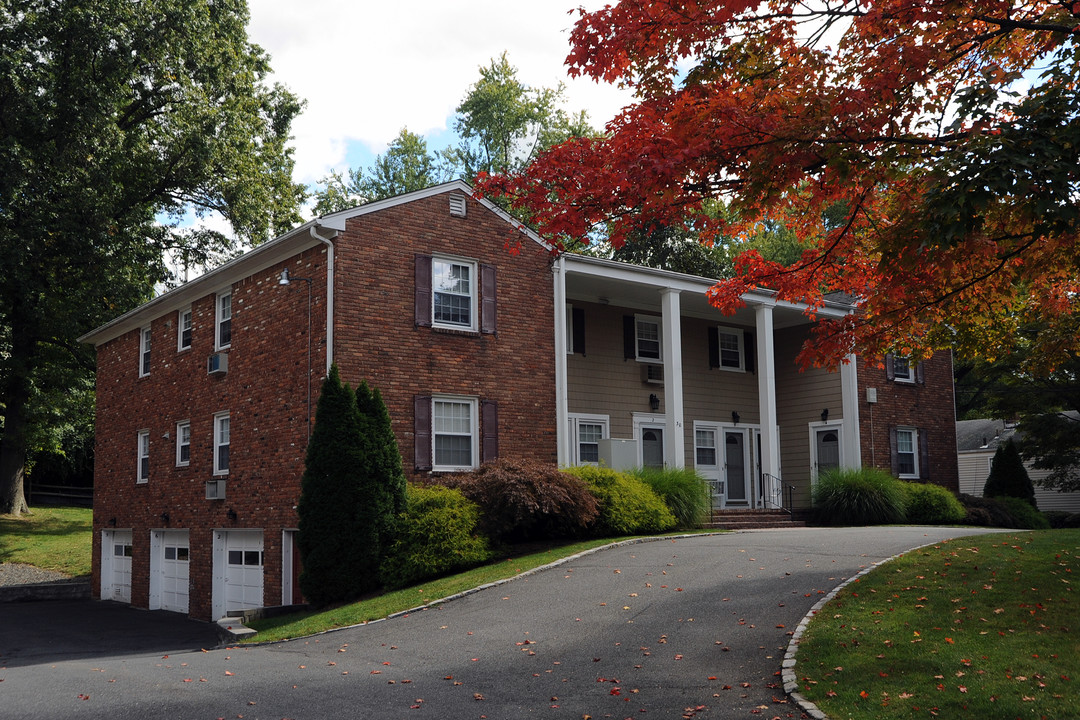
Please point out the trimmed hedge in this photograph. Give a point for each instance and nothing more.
(1024, 515)
(436, 535)
(683, 490)
(867, 496)
(524, 500)
(927, 504)
(627, 505)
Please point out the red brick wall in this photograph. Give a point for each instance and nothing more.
(927, 406)
(265, 390)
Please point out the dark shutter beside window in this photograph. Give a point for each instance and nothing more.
(919, 373)
(748, 350)
(924, 455)
(422, 431)
(489, 448)
(714, 347)
(578, 319)
(629, 325)
(487, 298)
(890, 368)
(423, 290)
(894, 455)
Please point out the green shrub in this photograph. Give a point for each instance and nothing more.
(525, 500)
(1072, 521)
(627, 505)
(985, 512)
(685, 493)
(436, 535)
(1056, 518)
(868, 496)
(928, 504)
(1008, 476)
(1024, 516)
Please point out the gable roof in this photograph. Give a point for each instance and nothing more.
(273, 252)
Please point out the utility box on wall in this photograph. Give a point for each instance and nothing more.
(619, 453)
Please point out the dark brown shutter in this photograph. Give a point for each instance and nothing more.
(924, 455)
(629, 337)
(578, 320)
(423, 290)
(487, 299)
(893, 454)
(890, 369)
(714, 347)
(489, 450)
(748, 350)
(422, 432)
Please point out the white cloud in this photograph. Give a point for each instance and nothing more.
(368, 69)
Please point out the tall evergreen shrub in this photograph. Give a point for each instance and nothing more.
(380, 479)
(1008, 476)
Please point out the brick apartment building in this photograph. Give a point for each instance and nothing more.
(205, 394)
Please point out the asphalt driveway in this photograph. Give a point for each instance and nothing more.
(693, 627)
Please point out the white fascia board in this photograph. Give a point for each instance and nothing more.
(653, 278)
(254, 261)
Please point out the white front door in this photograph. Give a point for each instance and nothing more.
(116, 565)
(169, 562)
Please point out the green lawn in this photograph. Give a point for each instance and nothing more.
(980, 627)
(380, 606)
(52, 538)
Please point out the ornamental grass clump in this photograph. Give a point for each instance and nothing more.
(683, 490)
(867, 496)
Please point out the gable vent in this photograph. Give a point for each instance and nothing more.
(457, 205)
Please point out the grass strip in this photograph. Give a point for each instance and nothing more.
(51, 538)
(978, 627)
(304, 623)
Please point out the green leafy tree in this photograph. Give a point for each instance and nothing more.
(504, 124)
(406, 166)
(1008, 476)
(116, 116)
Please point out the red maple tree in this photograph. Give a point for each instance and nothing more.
(946, 133)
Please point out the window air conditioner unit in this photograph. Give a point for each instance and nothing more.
(217, 364)
(652, 374)
(215, 489)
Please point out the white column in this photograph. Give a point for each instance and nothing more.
(766, 373)
(850, 448)
(562, 429)
(674, 433)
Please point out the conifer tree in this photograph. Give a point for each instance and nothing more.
(1008, 476)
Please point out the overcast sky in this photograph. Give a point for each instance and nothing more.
(367, 69)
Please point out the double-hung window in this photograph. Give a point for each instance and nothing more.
(454, 433)
(144, 456)
(183, 325)
(453, 293)
(648, 338)
(223, 322)
(705, 447)
(907, 452)
(144, 352)
(587, 431)
(183, 443)
(731, 349)
(903, 370)
(221, 444)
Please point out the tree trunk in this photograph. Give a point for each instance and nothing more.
(16, 394)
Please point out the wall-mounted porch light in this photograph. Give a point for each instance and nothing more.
(735, 416)
(654, 402)
(825, 415)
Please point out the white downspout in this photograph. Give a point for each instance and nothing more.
(329, 296)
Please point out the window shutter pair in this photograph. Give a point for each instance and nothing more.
(890, 369)
(423, 295)
(714, 349)
(489, 426)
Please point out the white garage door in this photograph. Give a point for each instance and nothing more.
(170, 558)
(243, 570)
(116, 565)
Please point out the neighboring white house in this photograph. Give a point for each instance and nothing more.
(976, 443)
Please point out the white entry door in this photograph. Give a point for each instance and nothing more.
(116, 565)
(169, 561)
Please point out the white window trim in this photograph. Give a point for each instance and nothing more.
(578, 419)
(180, 346)
(474, 431)
(218, 417)
(474, 293)
(179, 435)
(721, 330)
(218, 319)
(659, 322)
(902, 361)
(914, 452)
(714, 428)
(142, 452)
(145, 337)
